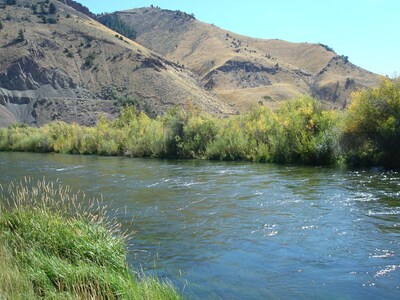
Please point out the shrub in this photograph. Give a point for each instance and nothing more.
(371, 129)
(304, 134)
(52, 20)
(326, 47)
(89, 60)
(230, 143)
(198, 133)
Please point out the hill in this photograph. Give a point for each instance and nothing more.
(243, 70)
(57, 63)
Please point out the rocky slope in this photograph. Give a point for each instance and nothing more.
(63, 65)
(243, 70)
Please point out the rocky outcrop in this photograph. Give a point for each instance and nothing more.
(241, 74)
(25, 74)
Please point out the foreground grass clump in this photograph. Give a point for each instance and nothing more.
(53, 247)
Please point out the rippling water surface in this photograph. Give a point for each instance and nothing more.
(244, 231)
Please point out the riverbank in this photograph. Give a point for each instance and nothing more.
(55, 244)
(298, 132)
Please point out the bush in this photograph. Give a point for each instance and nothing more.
(371, 129)
(89, 60)
(52, 20)
(304, 134)
(198, 133)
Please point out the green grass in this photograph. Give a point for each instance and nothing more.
(55, 244)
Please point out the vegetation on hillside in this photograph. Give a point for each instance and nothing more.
(79, 7)
(300, 131)
(52, 247)
(115, 23)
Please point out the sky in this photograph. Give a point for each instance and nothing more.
(367, 31)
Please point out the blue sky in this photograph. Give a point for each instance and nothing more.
(368, 31)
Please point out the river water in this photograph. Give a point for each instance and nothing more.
(244, 231)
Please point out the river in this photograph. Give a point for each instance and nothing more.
(235, 230)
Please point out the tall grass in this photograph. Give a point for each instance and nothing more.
(54, 244)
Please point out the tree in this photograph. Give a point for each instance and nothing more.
(115, 23)
(21, 36)
(34, 8)
(42, 9)
(52, 8)
(1, 26)
(11, 2)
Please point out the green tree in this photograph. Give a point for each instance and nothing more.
(115, 23)
(371, 129)
(21, 36)
(42, 9)
(11, 2)
(1, 26)
(52, 8)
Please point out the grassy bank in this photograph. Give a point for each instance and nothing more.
(299, 131)
(54, 247)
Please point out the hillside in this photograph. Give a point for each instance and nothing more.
(59, 64)
(242, 70)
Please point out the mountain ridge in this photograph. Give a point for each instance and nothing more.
(277, 69)
(69, 67)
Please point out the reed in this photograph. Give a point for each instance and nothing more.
(56, 244)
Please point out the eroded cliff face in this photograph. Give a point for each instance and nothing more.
(35, 95)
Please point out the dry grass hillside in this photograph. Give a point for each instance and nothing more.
(243, 70)
(63, 65)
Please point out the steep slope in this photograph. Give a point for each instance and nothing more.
(243, 70)
(59, 64)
